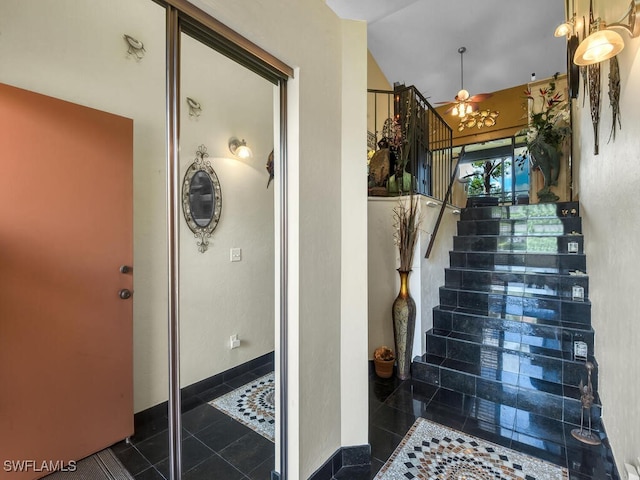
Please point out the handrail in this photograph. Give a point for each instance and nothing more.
(444, 205)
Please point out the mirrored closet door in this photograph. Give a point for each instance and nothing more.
(227, 266)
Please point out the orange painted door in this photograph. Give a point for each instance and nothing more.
(66, 376)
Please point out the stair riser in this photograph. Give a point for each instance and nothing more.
(544, 227)
(543, 263)
(511, 311)
(508, 244)
(540, 403)
(521, 365)
(556, 338)
(554, 286)
(497, 305)
(549, 210)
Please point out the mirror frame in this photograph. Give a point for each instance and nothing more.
(201, 233)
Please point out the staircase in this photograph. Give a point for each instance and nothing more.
(514, 302)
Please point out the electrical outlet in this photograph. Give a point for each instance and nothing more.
(236, 255)
(573, 247)
(234, 341)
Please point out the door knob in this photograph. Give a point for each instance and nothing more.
(126, 269)
(124, 294)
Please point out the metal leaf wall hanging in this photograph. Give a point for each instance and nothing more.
(594, 91)
(583, 70)
(594, 101)
(614, 96)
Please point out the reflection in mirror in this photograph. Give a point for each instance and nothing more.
(201, 198)
(227, 297)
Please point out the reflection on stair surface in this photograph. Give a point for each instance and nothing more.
(513, 307)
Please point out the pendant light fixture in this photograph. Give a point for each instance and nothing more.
(462, 106)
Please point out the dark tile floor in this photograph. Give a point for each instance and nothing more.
(214, 445)
(394, 405)
(217, 447)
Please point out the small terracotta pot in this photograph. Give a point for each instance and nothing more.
(384, 368)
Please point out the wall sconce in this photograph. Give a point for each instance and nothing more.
(135, 47)
(195, 109)
(606, 43)
(565, 29)
(431, 203)
(239, 148)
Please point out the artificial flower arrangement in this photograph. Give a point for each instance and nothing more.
(548, 127)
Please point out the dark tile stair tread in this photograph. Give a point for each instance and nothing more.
(523, 211)
(524, 319)
(525, 371)
(510, 307)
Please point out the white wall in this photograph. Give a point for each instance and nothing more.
(608, 188)
(426, 277)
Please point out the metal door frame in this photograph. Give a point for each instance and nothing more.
(182, 16)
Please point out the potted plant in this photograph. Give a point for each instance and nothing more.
(383, 360)
(549, 116)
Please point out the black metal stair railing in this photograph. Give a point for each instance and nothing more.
(426, 143)
(425, 148)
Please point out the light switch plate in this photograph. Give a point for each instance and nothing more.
(236, 255)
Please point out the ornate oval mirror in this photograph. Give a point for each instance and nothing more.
(201, 198)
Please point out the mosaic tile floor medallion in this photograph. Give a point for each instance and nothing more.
(433, 452)
(253, 404)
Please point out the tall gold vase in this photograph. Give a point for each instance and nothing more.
(404, 321)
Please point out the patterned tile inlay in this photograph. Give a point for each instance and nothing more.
(433, 452)
(252, 404)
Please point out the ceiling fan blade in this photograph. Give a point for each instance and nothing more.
(480, 97)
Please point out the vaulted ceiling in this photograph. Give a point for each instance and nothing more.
(416, 42)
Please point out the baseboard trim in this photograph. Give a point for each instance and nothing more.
(343, 457)
(189, 393)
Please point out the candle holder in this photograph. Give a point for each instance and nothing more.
(586, 398)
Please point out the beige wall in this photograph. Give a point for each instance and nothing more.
(376, 80)
(218, 298)
(426, 277)
(607, 185)
(316, 238)
(354, 378)
(75, 51)
(318, 140)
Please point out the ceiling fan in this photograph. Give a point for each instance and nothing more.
(464, 103)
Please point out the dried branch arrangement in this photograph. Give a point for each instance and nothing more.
(407, 222)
